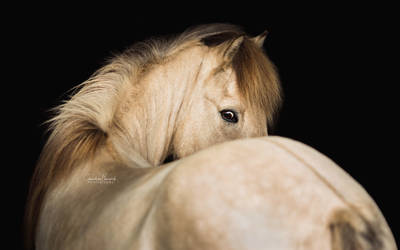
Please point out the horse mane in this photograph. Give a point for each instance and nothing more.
(81, 125)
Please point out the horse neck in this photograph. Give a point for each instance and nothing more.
(150, 115)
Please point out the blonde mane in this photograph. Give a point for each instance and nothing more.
(82, 124)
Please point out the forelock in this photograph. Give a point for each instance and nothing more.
(256, 75)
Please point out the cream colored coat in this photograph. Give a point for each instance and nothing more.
(100, 182)
(263, 193)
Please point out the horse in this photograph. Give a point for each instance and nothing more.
(167, 147)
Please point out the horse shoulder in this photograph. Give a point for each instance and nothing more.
(99, 210)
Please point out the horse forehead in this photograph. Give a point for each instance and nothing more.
(231, 88)
(223, 83)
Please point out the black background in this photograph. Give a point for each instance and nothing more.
(333, 62)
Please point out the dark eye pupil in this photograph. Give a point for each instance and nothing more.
(229, 116)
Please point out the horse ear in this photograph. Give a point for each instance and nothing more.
(259, 40)
(233, 48)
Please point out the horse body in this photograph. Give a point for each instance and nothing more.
(244, 194)
(269, 193)
(100, 182)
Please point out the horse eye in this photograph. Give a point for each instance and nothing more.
(229, 116)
